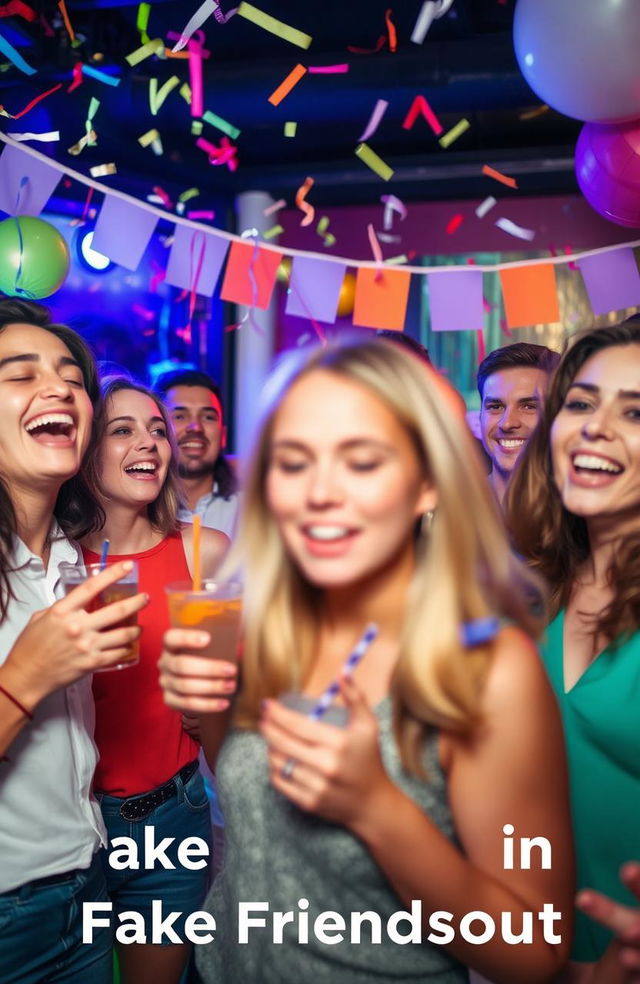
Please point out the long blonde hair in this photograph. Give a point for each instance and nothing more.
(464, 568)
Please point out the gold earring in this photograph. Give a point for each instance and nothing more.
(426, 521)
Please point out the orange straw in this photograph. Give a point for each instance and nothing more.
(197, 571)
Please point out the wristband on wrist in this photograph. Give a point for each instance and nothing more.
(18, 704)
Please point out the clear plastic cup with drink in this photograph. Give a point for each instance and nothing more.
(72, 575)
(215, 608)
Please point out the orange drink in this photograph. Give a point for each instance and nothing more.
(215, 609)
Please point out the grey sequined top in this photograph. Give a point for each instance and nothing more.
(278, 854)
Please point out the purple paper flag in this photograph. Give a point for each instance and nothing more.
(26, 183)
(315, 286)
(195, 256)
(612, 280)
(122, 231)
(455, 301)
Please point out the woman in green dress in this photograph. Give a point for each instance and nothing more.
(581, 530)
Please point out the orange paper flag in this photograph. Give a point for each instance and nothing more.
(381, 298)
(530, 295)
(250, 275)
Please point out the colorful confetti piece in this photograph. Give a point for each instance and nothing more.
(421, 106)
(453, 134)
(304, 206)
(220, 124)
(515, 230)
(372, 160)
(499, 176)
(287, 85)
(379, 110)
(485, 206)
(290, 128)
(267, 23)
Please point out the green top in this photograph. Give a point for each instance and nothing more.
(601, 716)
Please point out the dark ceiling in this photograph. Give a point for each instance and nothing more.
(465, 68)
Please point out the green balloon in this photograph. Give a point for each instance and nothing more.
(34, 258)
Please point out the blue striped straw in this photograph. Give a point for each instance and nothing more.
(103, 554)
(326, 700)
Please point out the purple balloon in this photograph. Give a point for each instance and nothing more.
(581, 56)
(608, 170)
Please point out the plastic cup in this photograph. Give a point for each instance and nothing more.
(215, 609)
(295, 701)
(127, 586)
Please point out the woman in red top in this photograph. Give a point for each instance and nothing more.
(148, 773)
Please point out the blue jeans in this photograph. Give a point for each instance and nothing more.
(179, 888)
(41, 932)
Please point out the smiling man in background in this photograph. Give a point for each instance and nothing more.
(512, 382)
(210, 483)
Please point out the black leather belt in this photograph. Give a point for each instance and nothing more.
(139, 807)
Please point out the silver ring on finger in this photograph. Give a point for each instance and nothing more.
(287, 769)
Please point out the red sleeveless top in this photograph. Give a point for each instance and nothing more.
(141, 740)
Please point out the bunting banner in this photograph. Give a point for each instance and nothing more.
(125, 225)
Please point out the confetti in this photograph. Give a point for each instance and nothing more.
(321, 229)
(89, 140)
(454, 133)
(290, 128)
(376, 249)
(391, 30)
(15, 57)
(531, 114)
(515, 230)
(340, 69)
(142, 21)
(62, 7)
(379, 110)
(395, 260)
(195, 77)
(197, 127)
(274, 231)
(187, 195)
(425, 19)
(270, 209)
(380, 43)
(304, 206)
(220, 124)
(420, 105)
(103, 77)
(155, 47)
(499, 176)
(103, 170)
(158, 96)
(31, 104)
(267, 23)
(485, 206)
(371, 159)
(287, 85)
(384, 237)
(224, 154)
(185, 92)
(15, 8)
(152, 139)
(392, 204)
(454, 223)
(202, 214)
(50, 137)
(202, 13)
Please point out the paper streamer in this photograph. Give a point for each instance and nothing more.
(391, 31)
(62, 7)
(379, 110)
(50, 137)
(202, 13)
(142, 21)
(267, 23)
(376, 248)
(454, 133)
(454, 223)
(515, 230)
(103, 77)
(304, 206)
(151, 139)
(220, 124)
(15, 57)
(287, 85)
(371, 159)
(485, 206)
(421, 106)
(31, 104)
(499, 176)
(274, 231)
(15, 8)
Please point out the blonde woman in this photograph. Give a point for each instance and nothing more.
(365, 503)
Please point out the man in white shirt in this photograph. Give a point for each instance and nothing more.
(195, 406)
